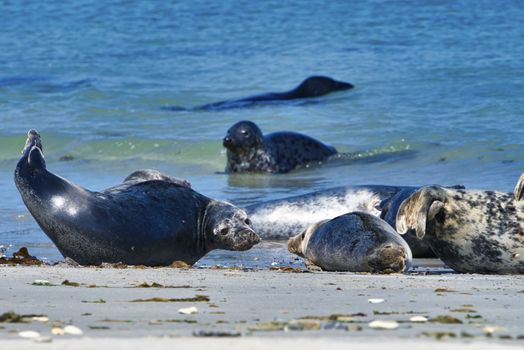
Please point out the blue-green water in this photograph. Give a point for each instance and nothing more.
(441, 78)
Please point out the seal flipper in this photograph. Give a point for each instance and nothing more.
(420, 208)
(311, 266)
(519, 188)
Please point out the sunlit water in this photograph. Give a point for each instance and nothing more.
(443, 80)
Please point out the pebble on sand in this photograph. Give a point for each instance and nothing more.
(188, 310)
(376, 300)
(381, 324)
(28, 334)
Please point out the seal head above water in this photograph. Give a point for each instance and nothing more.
(248, 150)
(356, 242)
(141, 221)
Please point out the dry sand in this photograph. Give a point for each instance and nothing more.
(259, 309)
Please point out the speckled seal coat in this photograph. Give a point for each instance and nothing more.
(149, 219)
(471, 231)
(248, 150)
(357, 242)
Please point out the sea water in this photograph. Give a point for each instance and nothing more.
(438, 88)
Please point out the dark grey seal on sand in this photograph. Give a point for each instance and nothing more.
(356, 242)
(143, 221)
(314, 86)
(248, 150)
(470, 231)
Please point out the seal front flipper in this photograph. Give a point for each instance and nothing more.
(311, 266)
(419, 209)
(519, 188)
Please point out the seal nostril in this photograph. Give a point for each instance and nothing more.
(224, 231)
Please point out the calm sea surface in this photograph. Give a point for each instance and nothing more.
(441, 79)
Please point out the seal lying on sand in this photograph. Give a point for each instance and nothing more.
(142, 221)
(250, 151)
(311, 87)
(470, 231)
(283, 218)
(357, 242)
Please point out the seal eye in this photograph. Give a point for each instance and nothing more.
(245, 133)
(224, 231)
(247, 222)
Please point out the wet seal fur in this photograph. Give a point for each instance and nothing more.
(283, 218)
(248, 150)
(356, 242)
(470, 231)
(150, 219)
(314, 86)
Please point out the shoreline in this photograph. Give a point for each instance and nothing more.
(133, 306)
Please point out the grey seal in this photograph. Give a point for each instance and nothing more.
(356, 242)
(151, 219)
(470, 231)
(248, 150)
(311, 87)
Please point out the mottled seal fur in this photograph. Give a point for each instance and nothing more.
(248, 150)
(314, 86)
(357, 242)
(150, 219)
(470, 231)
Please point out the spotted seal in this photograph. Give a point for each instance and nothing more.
(356, 242)
(470, 231)
(150, 219)
(311, 87)
(248, 150)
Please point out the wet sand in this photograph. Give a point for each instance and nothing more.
(258, 308)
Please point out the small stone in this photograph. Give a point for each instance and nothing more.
(57, 331)
(380, 324)
(188, 310)
(40, 318)
(43, 339)
(28, 334)
(376, 300)
(418, 319)
(72, 330)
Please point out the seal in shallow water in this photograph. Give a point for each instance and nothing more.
(139, 222)
(250, 151)
(356, 242)
(314, 86)
(470, 231)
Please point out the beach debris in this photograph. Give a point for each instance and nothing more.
(490, 330)
(376, 300)
(40, 318)
(72, 330)
(418, 319)
(287, 269)
(28, 334)
(21, 257)
(463, 309)
(336, 317)
(179, 264)
(268, 326)
(468, 316)
(99, 301)
(445, 319)
(98, 327)
(444, 290)
(70, 284)
(439, 335)
(383, 324)
(11, 317)
(57, 331)
(302, 325)
(214, 333)
(196, 298)
(158, 285)
(188, 310)
(44, 283)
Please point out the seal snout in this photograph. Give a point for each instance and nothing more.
(228, 142)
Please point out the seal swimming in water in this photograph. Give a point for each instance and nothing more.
(470, 231)
(314, 86)
(248, 150)
(356, 242)
(142, 221)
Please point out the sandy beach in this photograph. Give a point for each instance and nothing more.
(137, 307)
